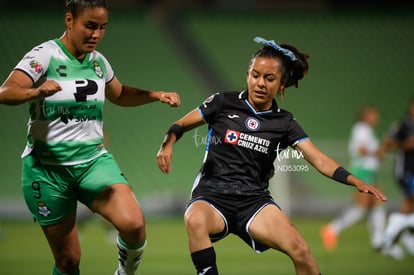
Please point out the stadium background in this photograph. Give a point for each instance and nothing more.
(361, 52)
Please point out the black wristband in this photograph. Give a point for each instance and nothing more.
(341, 175)
(177, 130)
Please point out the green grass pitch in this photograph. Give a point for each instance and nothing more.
(23, 250)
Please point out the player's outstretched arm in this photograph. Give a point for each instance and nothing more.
(330, 168)
(129, 96)
(188, 122)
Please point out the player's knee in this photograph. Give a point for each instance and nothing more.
(133, 226)
(194, 223)
(68, 262)
(300, 252)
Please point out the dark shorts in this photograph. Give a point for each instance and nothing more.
(237, 212)
(52, 192)
(406, 182)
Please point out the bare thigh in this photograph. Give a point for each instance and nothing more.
(119, 206)
(273, 228)
(201, 220)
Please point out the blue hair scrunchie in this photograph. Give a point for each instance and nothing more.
(275, 46)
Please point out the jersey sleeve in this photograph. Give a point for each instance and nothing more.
(210, 107)
(35, 62)
(109, 71)
(295, 133)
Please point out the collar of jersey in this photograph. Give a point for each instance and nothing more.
(274, 108)
(69, 55)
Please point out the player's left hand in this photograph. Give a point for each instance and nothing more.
(170, 98)
(369, 189)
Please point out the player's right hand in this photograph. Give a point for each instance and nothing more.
(164, 157)
(48, 88)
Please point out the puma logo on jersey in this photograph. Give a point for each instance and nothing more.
(233, 116)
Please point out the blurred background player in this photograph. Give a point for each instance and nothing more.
(365, 158)
(400, 224)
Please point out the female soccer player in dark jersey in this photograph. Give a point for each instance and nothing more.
(66, 81)
(400, 224)
(230, 193)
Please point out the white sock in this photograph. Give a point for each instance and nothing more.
(376, 225)
(410, 220)
(350, 216)
(129, 258)
(407, 240)
(394, 251)
(396, 224)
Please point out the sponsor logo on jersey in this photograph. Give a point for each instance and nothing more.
(28, 57)
(84, 88)
(247, 141)
(36, 66)
(231, 137)
(37, 49)
(78, 119)
(252, 124)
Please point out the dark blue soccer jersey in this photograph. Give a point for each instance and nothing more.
(405, 160)
(246, 142)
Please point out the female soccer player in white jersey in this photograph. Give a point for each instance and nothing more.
(66, 82)
(366, 154)
(230, 193)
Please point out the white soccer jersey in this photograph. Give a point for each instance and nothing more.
(362, 135)
(66, 128)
